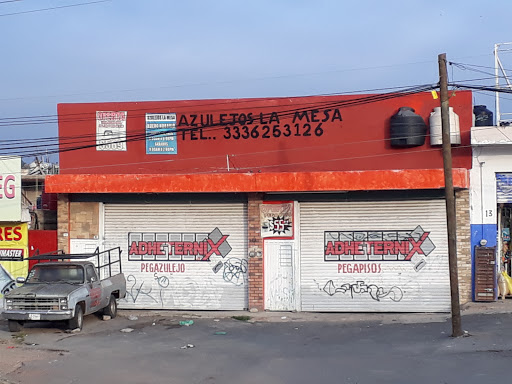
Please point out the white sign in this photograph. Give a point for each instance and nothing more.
(10, 188)
(110, 131)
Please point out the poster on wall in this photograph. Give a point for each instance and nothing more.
(10, 188)
(13, 254)
(161, 134)
(111, 131)
(276, 220)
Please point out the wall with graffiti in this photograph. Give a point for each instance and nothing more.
(393, 258)
(184, 263)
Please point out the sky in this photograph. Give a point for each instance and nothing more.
(134, 50)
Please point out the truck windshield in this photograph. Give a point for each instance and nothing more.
(56, 274)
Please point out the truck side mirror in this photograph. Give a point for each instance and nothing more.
(20, 280)
(93, 279)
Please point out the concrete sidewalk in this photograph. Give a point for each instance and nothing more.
(273, 347)
(501, 306)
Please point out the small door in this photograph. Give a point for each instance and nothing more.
(279, 275)
(93, 301)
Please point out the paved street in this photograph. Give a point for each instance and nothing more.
(269, 348)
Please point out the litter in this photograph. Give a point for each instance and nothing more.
(220, 333)
(127, 330)
(216, 320)
(105, 317)
(133, 318)
(283, 317)
(187, 346)
(187, 323)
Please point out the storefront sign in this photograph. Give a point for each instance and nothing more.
(161, 134)
(13, 241)
(10, 188)
(144, 246)
(13, 254)
(276, 220)
(110, 131)
(376, 245)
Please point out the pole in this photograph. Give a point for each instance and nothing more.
(450, 197)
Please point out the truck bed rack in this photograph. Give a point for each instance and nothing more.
(60, 255)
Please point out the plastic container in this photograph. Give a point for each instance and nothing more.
(483, 117)
(407, 128)
(436, 130)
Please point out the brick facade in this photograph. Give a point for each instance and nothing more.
(256, 293)
(76, 220)
(63, 222)
(463, 245)
(86, 220)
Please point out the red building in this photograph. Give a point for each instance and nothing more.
(278, 203)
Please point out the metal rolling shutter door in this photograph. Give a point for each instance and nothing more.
(220, 283)
(392, 286)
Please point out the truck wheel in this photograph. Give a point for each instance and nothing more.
(111, 308)
(78, 320)
(14, 325)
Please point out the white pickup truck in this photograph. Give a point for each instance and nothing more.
(65, 290)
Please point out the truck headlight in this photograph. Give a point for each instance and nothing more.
(63, 303)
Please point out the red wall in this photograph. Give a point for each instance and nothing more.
(41, 241)
(359, 142)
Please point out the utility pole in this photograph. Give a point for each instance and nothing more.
(450, 197)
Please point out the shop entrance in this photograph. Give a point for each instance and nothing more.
(504, 229)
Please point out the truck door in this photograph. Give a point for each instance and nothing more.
(94, 288)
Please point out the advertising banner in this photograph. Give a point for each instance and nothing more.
(110, 131)
(13, 254)
(161, 134)
(10, 188)
(276, 220)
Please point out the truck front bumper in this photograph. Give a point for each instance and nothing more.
(37, 315)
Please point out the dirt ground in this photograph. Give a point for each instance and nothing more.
(41, 342)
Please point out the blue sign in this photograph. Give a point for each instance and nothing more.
(161, 134)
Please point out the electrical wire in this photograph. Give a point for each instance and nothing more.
(53, 8)
(65, 144)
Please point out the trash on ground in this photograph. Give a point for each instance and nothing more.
(187, 323)
(187, 346)
(220, 333)
(216, 320)
(283, 317)
(105, 317)
(133, 318)
(127, 330)
(153, 324)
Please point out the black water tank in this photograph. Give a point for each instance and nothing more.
(483, 117)
(407, 128)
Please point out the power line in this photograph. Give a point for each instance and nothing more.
(53, 8)
(218, 125)
(234, 156)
